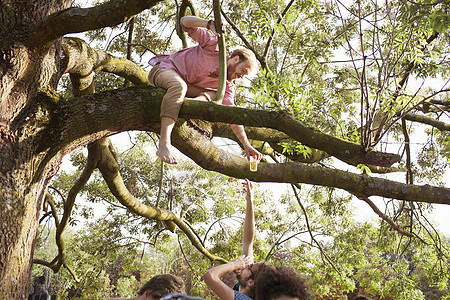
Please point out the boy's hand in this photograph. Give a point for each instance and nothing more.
(248, 187)
(211, 26)
(240, 262)
(250, 151)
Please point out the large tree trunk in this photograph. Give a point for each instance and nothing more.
(36, 128)
(24, 169)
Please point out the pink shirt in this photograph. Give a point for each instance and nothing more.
(197, 65)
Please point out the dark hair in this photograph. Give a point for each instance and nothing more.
(272, 282)
(163, 284)
(362, 298)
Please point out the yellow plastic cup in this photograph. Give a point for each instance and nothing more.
(253, 164)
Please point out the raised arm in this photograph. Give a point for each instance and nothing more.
(213, 276)
(193, 21)
(242, 136)
(249, 222)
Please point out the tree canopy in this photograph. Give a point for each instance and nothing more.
(347, 94)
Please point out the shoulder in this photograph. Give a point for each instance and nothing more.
(240, 296)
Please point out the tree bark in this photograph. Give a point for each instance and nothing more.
(23, 177)
(32, 60)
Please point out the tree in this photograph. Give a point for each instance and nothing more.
(387, 45)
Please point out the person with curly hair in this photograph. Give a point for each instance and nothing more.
(157, 287)
(243, 266)
(268, 282)
(249, 273)
(280, 283)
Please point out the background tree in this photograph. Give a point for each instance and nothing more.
(327, 241)
(356, 108)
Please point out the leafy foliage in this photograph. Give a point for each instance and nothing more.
(349, 70)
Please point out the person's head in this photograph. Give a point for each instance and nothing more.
(280, 283)
(246, 276)
(241, 62)
(161, 285)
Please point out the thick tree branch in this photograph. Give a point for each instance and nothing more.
(208, 156)
(428, 121)
(346, 151)
(74, 20)
(110, 171)
(90, 117)
(257, 136)
(138, 109)
(84, 62)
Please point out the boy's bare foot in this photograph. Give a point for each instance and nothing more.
(165, 155)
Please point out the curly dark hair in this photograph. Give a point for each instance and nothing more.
(273, 282)
(163, 284)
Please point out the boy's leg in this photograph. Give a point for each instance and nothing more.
(173, 99)
(164, 144)
(198, 93)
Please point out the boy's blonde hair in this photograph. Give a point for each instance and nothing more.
(246, 55)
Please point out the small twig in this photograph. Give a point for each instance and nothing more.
(269, 41)
(409, 174)
(384, 217)
(323, 253)
(261, 59)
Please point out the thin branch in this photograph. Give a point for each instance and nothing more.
(400, 85)
(54, 211)
(269, 41)
(211, 226)
(280, 242)
(158, 198)
(409, 174)
(384, 217)
(260, 58)
(323, 253)
(428, 121)
(129, 43)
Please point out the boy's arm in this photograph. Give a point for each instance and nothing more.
(213, 276)
(192, 21)
(249, 222)
(242, 136)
